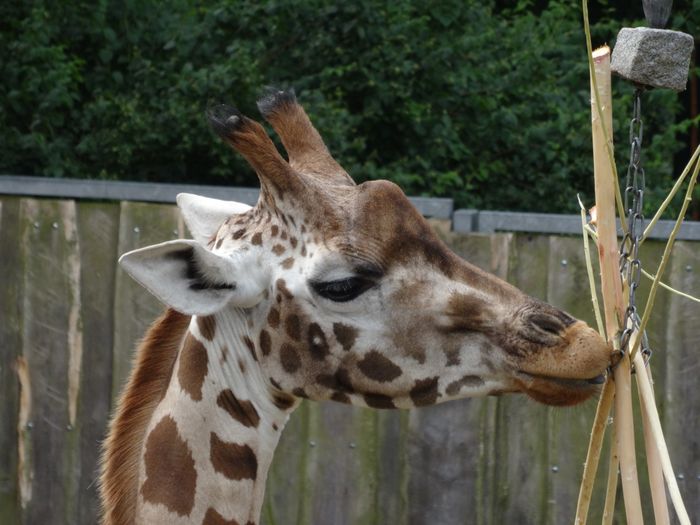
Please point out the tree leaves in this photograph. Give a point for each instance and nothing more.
(455, 99)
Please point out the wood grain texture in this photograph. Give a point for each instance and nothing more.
(681, 417)
(10, 348)
(48, 249)
(98, 232)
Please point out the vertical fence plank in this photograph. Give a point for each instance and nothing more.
(134, 308)
(525, 454)
(10, 346)
(288, 494)
(682, 418)
(51, 348)
(568, 289)
(442, 463)
(445, 443)
(343, 439)
(98, 230)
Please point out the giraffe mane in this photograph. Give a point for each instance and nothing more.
(153, 365)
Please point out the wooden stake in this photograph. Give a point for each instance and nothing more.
(611, 284)
(656, 477)
(649, 405)
(611, 486)
(595, 446)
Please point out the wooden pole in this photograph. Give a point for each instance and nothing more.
(605, 182)
(656, 477)
(595, 446)
(649, 406)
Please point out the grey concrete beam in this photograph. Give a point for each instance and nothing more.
(464, 221)
(492, 221)
(434, 207)
(118, 190)
(438, 208)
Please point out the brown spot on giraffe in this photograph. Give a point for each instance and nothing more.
(425, 392)
(379, 401)
(193, 368)
(288, 263)
(171, 478)
(293, 241)
(377, 367)
(300, 392)
(256, 239)
(274, 230)
(265, 342)
(466, 312)
(282, 401)
(234, 461)
(207, 326)
(340, 397)
(468, 380)
(278, 249)
(273, 317)
(238, 234)
(282, 287)
(452, 355)
(242, 411)
(251, 346)
(289, 358)
(214, 518)
(346, 335)
(292, 326)
(318, 345)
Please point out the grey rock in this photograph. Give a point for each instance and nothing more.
(653, 57)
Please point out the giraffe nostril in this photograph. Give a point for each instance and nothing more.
(548, 323)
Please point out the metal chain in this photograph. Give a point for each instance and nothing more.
(630, 265)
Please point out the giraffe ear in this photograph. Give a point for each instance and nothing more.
(189, 278)
(204, 216)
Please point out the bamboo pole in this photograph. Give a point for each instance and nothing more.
(611, 486)
(649, 405)
(654, 467)
(595, 446)
(605, 182)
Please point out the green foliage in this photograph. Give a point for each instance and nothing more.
(485, 104)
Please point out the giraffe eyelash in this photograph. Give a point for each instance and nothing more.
(343, 290)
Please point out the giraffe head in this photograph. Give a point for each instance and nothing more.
(348, 293)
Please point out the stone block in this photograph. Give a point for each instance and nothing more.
(653, 57)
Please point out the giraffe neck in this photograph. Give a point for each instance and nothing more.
(211, 439)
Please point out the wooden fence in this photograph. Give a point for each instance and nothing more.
(70, 319)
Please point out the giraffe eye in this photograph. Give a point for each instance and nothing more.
(343, 290)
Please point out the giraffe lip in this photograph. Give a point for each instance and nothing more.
(569, 382)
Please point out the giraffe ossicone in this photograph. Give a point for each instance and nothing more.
(324, 290)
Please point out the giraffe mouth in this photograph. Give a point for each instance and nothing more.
(559, 391)
(568, 381)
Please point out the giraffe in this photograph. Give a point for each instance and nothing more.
(324, 290)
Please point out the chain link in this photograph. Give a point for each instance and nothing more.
(630, 265)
